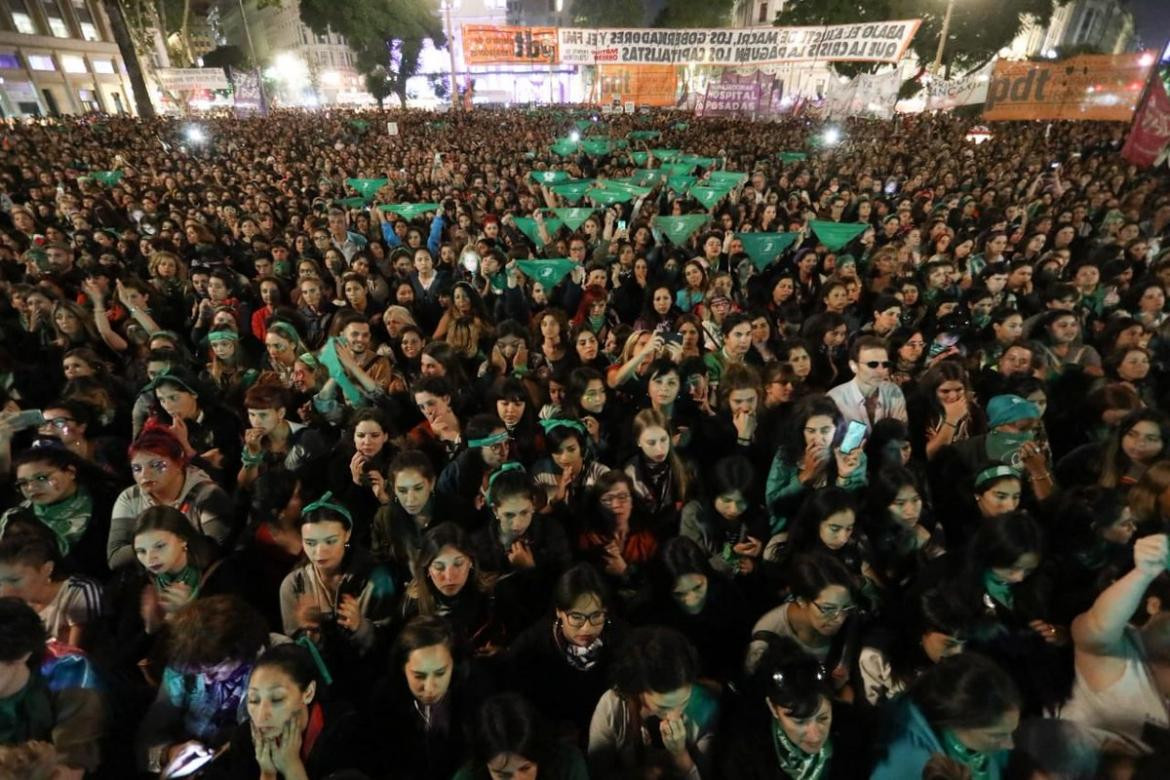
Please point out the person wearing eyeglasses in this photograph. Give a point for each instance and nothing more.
(870, 396)
(797, 731)
(163, 475)
(819, 615)
(562, 661)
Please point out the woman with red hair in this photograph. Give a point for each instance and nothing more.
(163, 476)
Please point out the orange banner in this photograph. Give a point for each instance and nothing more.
(1089, 86)
(488, 44)
(644, 85)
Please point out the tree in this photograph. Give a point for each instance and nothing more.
(978, 30)
(126, 47)
(229, 56)
(370, 25)
(695, 13)
(378, 84)
(607, 13)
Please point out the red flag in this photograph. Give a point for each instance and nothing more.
(1150, 133)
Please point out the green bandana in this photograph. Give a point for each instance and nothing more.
(835, 235)
(68, 518)
(559, 422)
(679, 229)
(547, 272)
(665, 154)
(731, 179)
(582, 124)
(351, 203)
(564, 147)
(528, 227)
(488, 441)
(608, 197)
(188, 575)
(596, 323)
(573, 218)
(794, 762)
(596, 147)
(681, 183)
(999, 590)
(367, 188)
(326, 502)
(693, 161)
(764, 248)
(409, 211)
(108, 178)
(708, 196)
(626, 185)
(573, 191)
(643, 135)
(978, 763)
(792, 156)
(640, 158)
(504, 468)
(647, 178)
(549, 177)
(222, 335)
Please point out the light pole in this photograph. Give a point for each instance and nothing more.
(942, 38)
(451, 51)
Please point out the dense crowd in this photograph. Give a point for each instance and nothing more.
(474, 451)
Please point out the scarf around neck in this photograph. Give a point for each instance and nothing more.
(188, 575)
(68, 518)
(978, 763)
(794, 762)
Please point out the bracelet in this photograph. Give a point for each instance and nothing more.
(248, 459)
(1046, 476)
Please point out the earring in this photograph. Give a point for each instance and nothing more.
(184, 548)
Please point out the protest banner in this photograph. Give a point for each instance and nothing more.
(186, 79)
(1149, 137)
(872, 42)
(868, 94)
(488, 44)
(642, 85)
(942, 95)
(730, 97)
(1102, 87)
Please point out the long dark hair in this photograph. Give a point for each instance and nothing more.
(509, 723)
(789, 678)
(964, 691)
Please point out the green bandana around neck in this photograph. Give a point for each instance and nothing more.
(187, 575)
(67, 518)
(999, 590)
(794, 762)
(978, 763)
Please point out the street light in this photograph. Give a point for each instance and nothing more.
(942, 38)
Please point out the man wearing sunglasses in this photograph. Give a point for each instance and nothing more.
(870, 396)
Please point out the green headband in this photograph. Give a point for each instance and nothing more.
(488, 441)
(995, 472)
(326, 502)
(318, 661)
(222, 335)
(503, 469)
(559, 422)
(286, 330)
(308, 359)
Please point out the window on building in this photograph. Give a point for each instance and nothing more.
(763, 17)
(56, 18)
(84, 14)
(103, 66)
(9, 60)
(22, 18)
(88, 99)
(1087, 32)
(71, 63)
(41, 62)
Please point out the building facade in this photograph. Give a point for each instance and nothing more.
(59, 57)
(307, 67)
(1104, 25)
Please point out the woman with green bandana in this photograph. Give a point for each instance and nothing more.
(797, 733)
(70, 497)
(965, 708)
(229, 369)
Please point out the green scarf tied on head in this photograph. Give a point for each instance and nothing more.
(547, 272)
(560, 422)
(67, 518)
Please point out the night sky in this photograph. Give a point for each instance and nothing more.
(1153, 21)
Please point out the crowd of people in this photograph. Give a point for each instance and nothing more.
(473, 451)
